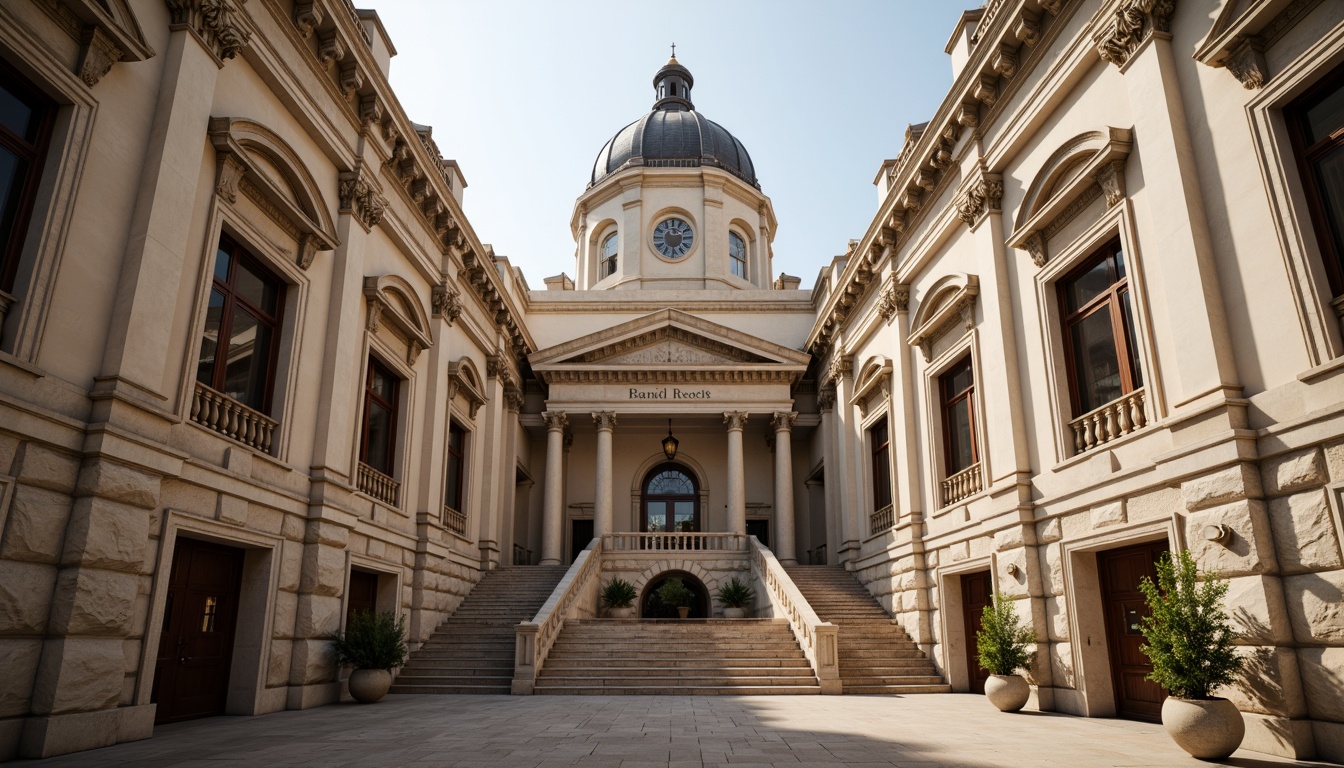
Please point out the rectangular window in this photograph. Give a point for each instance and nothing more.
(1317, 122)
(455, 475)
(242, 327)
(378, 447)
(879, 437)
(1099, 331)
(957, 387)
(737, 254)
(26, 116)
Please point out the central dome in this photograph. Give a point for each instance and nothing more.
(674, 135)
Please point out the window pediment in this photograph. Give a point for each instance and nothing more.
(464, 379)
(950, 303)
(392, 299)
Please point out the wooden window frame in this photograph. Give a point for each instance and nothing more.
(34, 154)
(240, 254)
(946, 401)
(603, 259)
(733, 261)
(1122, 324)
(879, 439)
(394, 406)
(1306, 157)
(460, 458)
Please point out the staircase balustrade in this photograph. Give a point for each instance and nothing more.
(575, 597)
(676, 542)
(819, 639)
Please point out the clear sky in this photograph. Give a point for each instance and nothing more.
(523, 94)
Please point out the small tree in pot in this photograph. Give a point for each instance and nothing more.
(1002, 643)
(1189, 642)
(675, 593)
(736, 597)
(374, 644)
(619, 596)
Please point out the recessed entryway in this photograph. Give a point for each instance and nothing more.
(1121, 571)
(650, 607)
(976, 593)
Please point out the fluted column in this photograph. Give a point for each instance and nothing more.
(782, 421)
(606, 423)
(552, 516)
(737, 481)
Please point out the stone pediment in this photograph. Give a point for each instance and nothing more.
(669, 345)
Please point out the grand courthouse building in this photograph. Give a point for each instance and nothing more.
(258, 370)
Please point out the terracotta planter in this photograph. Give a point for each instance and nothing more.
(1007, 692)
(683, 610)
(734, 613)
(1209, 729)
(370, 685)
(621, 613)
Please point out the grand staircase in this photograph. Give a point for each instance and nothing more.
(472, 652)
(676, 657)
(876, 655)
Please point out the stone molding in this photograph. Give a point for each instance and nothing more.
(447, 302)
(949, 303)
(872, 383)
(984, 195)
(826, 398)
(464, 380)
(735, 420)
(895, 298)
(216, 23)
(1243, 31)
(360, 197)
(379, 290)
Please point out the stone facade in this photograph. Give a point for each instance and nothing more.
(271, 126)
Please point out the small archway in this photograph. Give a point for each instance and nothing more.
(650, 607)
(670, 500)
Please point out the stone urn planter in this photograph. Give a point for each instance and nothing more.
(1007, 692)
(1209, 729)
(683, 610)
(737, 596)
(370, 685)
(734, 613)
(621, 613)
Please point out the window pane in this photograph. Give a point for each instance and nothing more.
(655, 518)
(249, 359)
(1135, 372)
(12, 174)
(959, 379)
(881, 478)
(684, 516)
(1089, 285)
(736, 248)
(455, 439)
(452, 483)
(222, 261)
(379, 439)
(1330, 183)
(205, 369)
(383, 385)
(960, 450)
(609, 246)
(255, 287)
(670, 482)
(16, 114)
(1095, 362)
(1325, 117)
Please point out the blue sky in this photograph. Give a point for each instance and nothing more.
(523, 94)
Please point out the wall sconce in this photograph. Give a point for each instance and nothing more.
(1011, 570)
(1218, 533)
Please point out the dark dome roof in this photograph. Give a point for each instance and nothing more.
(674, 135)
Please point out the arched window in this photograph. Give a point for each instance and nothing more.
(671, 501)
(737, 255)
(606, 265)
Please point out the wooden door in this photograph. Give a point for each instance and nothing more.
(363, 594)
(580, 536)
(191, 674)
(1121, 571)
(976, 593)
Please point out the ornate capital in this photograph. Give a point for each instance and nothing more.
(97, 54)
(513, 398)
(1247, 63)
(985, 194)
(1111, 178)
(1132, 23)
(555, 421)
(782, 421)
(1036, 247)
(840, 367)
(361, 199)
(605, 420)
(330, 49)
(736, 420)
(447, 302)
(826, 398)
(215, 23)
(568, 441)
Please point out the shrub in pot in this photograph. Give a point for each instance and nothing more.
(619, 597)
(736, 596)
(1188, 638)
(675, 593)
(374, 644)
(1002, 643)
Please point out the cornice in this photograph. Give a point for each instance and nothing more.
(1240, 35)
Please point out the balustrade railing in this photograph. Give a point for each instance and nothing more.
(881, 520)
(217, 411)
(456, 521)
(676, 542)
(1112, 420)
(965, 483)
(377, 485)
(819, 639)
(574, 597)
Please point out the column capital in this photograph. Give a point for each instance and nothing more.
(826, 398)
(736, 420)
(782, 421)
(216, 23)
(605, 420)
(556, 421)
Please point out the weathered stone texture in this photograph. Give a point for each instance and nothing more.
(1109, 514)
(1322, 680)
(35, 530)
(18, 657)
(78, 674)
(1230, 484)
(25, 597)
(93, 602)
(1250, 549)
(286, 609)
(231, 509)
(1061, 665)
(1316, 607)
(1057, 618)
(1052, 569)
(1256, 606)
(317, 616)
(107, 534)
(1269, 684)
(1284, 474)
(311, 662)
(1160, 502)
(117, 482)
(1046, 531)
(43, 467)
(1304, 533)
(188, 497)
(1012, 537)
(277, 667)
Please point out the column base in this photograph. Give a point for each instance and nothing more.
(53, 735)
(550, 561)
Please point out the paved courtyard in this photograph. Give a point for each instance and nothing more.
(639, 731)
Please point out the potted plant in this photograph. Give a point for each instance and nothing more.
(674, 593)
(374, 644)
(736, 597)
(619, 596)
(1002, 643)
(1189, 641)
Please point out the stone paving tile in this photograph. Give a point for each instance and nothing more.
(656, 732)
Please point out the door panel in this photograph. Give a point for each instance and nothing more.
(976, 594)
(191, 674)
(1121, 571)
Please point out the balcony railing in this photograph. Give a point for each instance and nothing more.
(217, 411)
(455, 521)
(965, 483)
(676, 542)
(881, 520)
(1112, 420)
(378, 485)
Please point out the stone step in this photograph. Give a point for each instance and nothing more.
(898, 689)
(671, 690)
(682, 681)
(445, 690)
(637, 662)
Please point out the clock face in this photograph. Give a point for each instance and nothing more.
(673, 238)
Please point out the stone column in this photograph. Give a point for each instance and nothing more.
(552, 514)
(831, 484)
(737, 481)
(782, 421)
(606, 422)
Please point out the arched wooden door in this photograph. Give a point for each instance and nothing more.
(670, 500)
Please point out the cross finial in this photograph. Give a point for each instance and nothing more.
(674, 50)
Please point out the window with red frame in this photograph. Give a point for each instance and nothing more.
(25, 129)
(1099, 330)
(957, 386)
(242, 328)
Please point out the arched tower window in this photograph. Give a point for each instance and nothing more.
(606, 265)
(737, 255)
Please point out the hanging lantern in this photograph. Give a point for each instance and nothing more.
(670, 443)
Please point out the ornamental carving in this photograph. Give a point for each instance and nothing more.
(214, 22)
(1132, 23)
(605, 420)
(361, 199)
(826, 398)
(986, 194)
(513, 398)
(307, 17)
(1004, 60)
(782, 421)
(230, 175)
(375, 314)
(351, 79)
(308, 246)
(97, 54)
(1111, 178)
(736, 420)
(1247, 63)
(330, 49)
(447, 303)
(1036, 247)
(1028, 28)
(555, 421)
